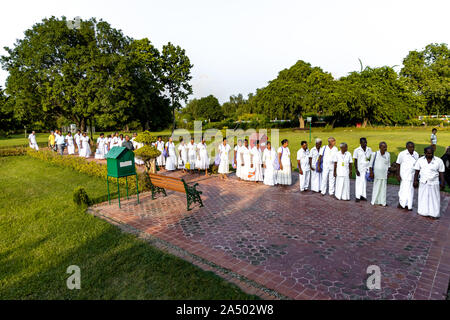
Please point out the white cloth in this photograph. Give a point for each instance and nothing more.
(115, 142)
(285, 176)
(77, 139)
(33, 142)
(363, 158)
(256, 159)
(70, 144)
(303, 157)
(192, 154)
(121, 141)
(270, 174)
(183, 152)
(429, 201)
(238, 150)
(171, 161)
(342, 188)
(100, 152)
(380, 171)
(343, 161)
(433, 139)
(161, 160)
(202, 158)
(328, 179)
(316, 177)
(245, 163)
(224, 151)
(407, 161)
(85, 147)
(59, 139)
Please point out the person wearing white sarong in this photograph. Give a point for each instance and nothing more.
(85, 146)
(304, 170)
(256, 163)
(115, 140)
(361, 156)
(101, 142)
(284, 175)
(192, 154)
(171, 161)
(70, 144)
(202, 157)
(316, 175)
(182, 155)
(343, 171)
(327, 155)
(32, 141)
(77, 139)
(161, 160)
(246, 169)
(268, 160)
(431, 170)
(406, 161)
(224, 165)
(379, 165)
(238, 159)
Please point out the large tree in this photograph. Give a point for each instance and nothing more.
(428, 73)
(204, 108)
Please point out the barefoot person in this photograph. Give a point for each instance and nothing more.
(379, 166)
(406, 162)
(70, 144)
(327, 155)
(284, 175)
(192, 155)
(433, 139)
(161, 160)
(361, 156)
(304, 169)
(238, 159)
(202, 157)
(316, 174)
(171, 161)
(32, 141)
(224, 165)
(245, 161)
(428, 177)
(343, 172)
(182, 155)
(268, 160)
(256, 162)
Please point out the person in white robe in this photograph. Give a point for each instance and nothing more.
(70, 143)
(192, 155)
(161, 160)
(326, 157)
(246, 169)
(136, 145)
(77, 139)
(101, 143)
(380, 162)
(256, 163)
(85, 146)
(115, 140)
(284, 175)
(224, 154)
(406, 162)
(268, 160)
(108, 143)
(32, 141)
(428, 177)
(316, 174)
(121, 140)
(202, 157)
(304, 169)
(182, 155)
(238, 159)
(171, 161)
(361, 156)
(342, 172)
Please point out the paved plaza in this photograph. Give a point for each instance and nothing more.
(299, 245)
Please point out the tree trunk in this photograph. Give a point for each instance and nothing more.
(82, 125)
(365, 122)
(301, 122)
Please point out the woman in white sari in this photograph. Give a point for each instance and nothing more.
(238, 159)
(70, 143)
(256, 162)
(284, 175)
(202, 157)
(101, 144)
(268, 159)
(85, 146)
(171, 161)
(246, 170)
(224, 166)
(183, 155)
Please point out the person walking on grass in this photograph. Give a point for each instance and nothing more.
(69, 143)
(60, 143)
(304, 169)
(361, 156)
(379, 166)
(51, 140)
(32, 141)
(428, 177)
(77, 139)
(343, 172)
(433, 139)
(406, 162)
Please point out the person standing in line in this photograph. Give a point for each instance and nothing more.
(32, 141)
(326, 157)
(446, 159)
(182, 155)
(256, 163)
(161, 160)
(100, 151)
(70, 144)
(85, 146)
(343, 172)
(268, 160)
(59, 140)
(304, 169)
(434, 139)
(127, 143)
(51, 140)
(361, 156)
(316, 174)
(115, 140)
(77, 139)
(284, 175)
(406, 161)
(238, 159)
(171, 161)
(202, 157)
(224, 165)
(431, 170)
(121, 140)
(192, 154)
(379, 165)
(245, 161)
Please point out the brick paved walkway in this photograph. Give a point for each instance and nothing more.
(301, 246)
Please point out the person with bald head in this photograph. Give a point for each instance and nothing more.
(327, 156)
(361, 155)
(406, 161)
(379, 166)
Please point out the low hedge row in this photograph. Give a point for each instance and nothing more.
(9, 152)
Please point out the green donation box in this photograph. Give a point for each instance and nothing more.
(120, 164)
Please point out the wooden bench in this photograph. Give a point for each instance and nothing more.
(158, 184)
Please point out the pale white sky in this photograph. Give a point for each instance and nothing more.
(238, 46)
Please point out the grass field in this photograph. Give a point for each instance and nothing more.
(42, 233)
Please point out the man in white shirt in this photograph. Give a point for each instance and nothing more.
(361, 155)
(379, 166)
(60, 142)
(304, 169)
(316, 176)
(431, 170)
(32, 140)
(326, 157)
(342, 172)
(406, 161)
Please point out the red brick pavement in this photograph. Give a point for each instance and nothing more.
(301, 245)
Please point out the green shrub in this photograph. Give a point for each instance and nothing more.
(8, 152)
(81, 198)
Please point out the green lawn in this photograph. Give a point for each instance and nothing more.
(42, 233)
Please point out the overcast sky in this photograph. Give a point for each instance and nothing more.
(238, 46)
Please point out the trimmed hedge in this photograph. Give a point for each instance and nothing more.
(9, 152)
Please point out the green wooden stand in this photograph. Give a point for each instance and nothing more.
(118, 189)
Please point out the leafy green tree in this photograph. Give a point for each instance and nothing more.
(428, 73)
(204, 108)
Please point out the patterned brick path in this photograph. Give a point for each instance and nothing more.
(301, 245)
